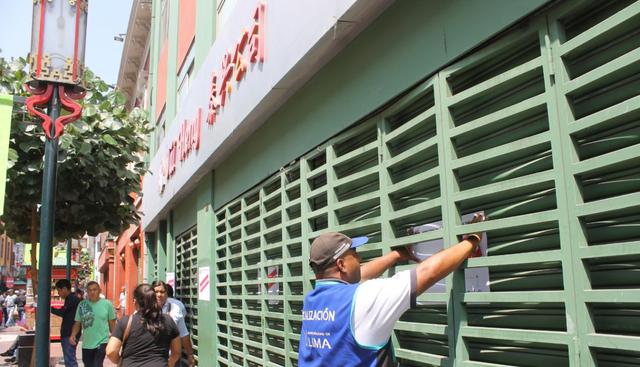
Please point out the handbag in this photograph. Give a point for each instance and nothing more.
(124, 339)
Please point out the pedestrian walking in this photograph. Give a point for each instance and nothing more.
(96, 317)
(122, 302)
(68, 314)
(21, 302)
(10, 303)
(178, 312)
(145, 338)
(79, 293)
(348, 318)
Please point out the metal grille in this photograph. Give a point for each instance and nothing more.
(540, 129)
(187, 279)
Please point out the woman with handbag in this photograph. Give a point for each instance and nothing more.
(146, 337)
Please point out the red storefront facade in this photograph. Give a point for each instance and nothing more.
(121, 264)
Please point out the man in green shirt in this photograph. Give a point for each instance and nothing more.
(97, 318)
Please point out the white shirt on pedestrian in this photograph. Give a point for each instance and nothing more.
(176, 310)
(123, 300)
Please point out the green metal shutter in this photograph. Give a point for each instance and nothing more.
(540, 129)
(186, 289)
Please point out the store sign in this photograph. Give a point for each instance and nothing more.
(18, 251)
(249, 49)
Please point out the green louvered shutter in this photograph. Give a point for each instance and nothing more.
(540, 129)
(186, 289)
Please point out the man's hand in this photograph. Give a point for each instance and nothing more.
(406, 254)
(191, 360)
(72, 340)
(475, 238)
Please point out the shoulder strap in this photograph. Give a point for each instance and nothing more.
(127, 330)
(124, 338)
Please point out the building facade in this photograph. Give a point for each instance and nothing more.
(7, 261)
(121, 261)
(276, 121)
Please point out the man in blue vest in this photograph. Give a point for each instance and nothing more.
(347, 320)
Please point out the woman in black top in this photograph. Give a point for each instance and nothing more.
(152, 335)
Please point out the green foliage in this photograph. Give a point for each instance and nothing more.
(100, 162)
(86, 266)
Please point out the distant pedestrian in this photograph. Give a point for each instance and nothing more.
(146, 336)
(21, 302)
(10, 304)
(96, 318)
(122, 306)
(68, 314)
(79, 293)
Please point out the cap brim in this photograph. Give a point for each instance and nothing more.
(359, 241)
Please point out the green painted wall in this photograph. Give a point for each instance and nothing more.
(150, 256)
(161, 250)
(206, 258)
(171, 244)
(205, 30)
(408, 42)
(185, 214)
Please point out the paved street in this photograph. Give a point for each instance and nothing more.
(8, 336)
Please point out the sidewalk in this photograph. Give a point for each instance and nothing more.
(9, 335)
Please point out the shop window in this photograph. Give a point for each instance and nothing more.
(184, 79)
(225, 7)
(160, 130)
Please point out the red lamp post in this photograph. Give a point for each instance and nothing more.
(57, 64)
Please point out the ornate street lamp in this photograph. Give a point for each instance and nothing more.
(57, 64)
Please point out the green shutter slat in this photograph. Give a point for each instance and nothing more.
(605, 160)
(611, 250)
(515, 221)
(421, 328)
(533, 336)
(514, 184)
(515, 297)
(613, 113)
(612, 295)
(503, 80)
(432, 359)
(628, 201)
(525, 145)
(614, 341)
(583, 40)
(515, 259)
(505, 115)
(598, 77)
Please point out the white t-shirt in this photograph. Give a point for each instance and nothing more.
(123, 300)
(177, 312)
(378, 305)
(10, 301)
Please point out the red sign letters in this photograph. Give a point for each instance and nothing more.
(249, 49)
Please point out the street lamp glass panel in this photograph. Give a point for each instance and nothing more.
(58, 40)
